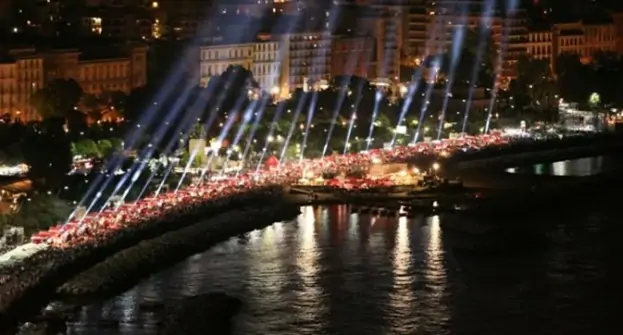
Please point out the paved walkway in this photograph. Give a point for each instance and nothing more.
(20, 253)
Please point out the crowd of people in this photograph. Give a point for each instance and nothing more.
(59, 260)
(92, 226)
(94, 229)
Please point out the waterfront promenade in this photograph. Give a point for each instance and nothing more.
(186, 206)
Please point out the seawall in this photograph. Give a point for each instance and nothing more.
(37, 283)
(538, 152)
(543, 156)
(125, 269)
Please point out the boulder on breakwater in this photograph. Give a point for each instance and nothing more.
(195, 315)
(124, 269)
(35, 281)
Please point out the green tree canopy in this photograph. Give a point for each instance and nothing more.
(85, 148)
(117, 143)
(59, 99)
(39, 212)
(48, 154)
(105, 147)
(11, 155)
(535, 84)
(475, 42)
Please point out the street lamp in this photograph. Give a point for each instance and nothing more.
(275, 90)
(436, 167)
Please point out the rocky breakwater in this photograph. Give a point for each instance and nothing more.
(126, 268)
(28, 285)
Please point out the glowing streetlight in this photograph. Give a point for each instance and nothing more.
(436, 167)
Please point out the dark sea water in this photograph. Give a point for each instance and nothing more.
(581, 167)
(333, 272)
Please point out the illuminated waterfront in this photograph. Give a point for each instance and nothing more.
(332, 272)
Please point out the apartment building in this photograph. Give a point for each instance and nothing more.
(579, 38)
(267, 67)
(352, 56)
(24, 71)
(265, 59)
(307, 57)
(568, 38)
(259, 8)
(385, 25)
(415, 36)
(21, 74)
(617, 20)
(122, 72)
(539, 44)
(130, 24)
(515, 24)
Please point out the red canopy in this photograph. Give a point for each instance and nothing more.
(272, 162)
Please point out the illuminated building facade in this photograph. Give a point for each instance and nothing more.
(21, 74)
(539, 44)
(265, 59)
(352, 55)
(415, 34)
(308, 60)
(97, 75)
(385, 24)
(215, 59)
(24, 71)
(133, 23)
(617, 19)
(267, 67)
(179, 19)
(515, 24)
(259, 8)
(577, 38)
(583, 39)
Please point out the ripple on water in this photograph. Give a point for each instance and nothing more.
(330, 273)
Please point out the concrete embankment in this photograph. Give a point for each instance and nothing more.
(562, 195)
(549, 151)
(126, 268)
(37, 280)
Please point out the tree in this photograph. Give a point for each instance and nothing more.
(105, 148)
(117, 144)
(59, 99)
(11, 155)
(138, 100)
(42, 101)
(354, 83)
(233, 85)
(476, 42)
(200, 160)
(48, 154)
(39, 212)
(90, 104)
(86, 148)
(198, 131)
(114, 103)
(576, 80)
(535, 85)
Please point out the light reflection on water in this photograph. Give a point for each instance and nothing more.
(333, 272)
(581, 167)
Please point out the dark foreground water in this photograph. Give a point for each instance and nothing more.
(581, 167)
(333, 272)
(330, 272)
